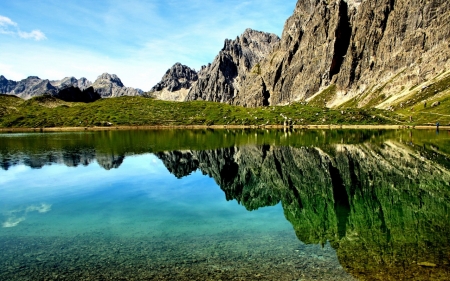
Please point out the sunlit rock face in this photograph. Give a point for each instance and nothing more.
(221, 80)
(110, 86)
(384, 207)
(357, 46)
(175, 84)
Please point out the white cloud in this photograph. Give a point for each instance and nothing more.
(14, 220)
(35, 34)
(9, 27)
(4, 21)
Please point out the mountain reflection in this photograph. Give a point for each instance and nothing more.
(384, 208)
(382, 199)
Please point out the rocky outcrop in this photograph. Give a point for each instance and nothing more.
(110, 86)
(175, 84)
(221, 80)
(369, 49)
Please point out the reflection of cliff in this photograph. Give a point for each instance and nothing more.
(383, 207)
(69, 157)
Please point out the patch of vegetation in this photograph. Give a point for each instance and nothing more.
(376, 97)
(323, 97)
(430, 91)
(257, 69)
(140, 111)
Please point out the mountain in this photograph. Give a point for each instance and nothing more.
(363, 53)
(67, 82)
(69, 88)
(27, 88)
(175, 83)
(221, 80)
(6, 85)
(109, 86)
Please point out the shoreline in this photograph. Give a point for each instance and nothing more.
(222, 127)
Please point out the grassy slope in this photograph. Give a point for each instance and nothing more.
(48, 111)
(409, 103)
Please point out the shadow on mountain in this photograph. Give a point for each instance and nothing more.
(74, 94)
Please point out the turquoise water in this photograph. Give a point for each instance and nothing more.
(225, 205)
(138, 200)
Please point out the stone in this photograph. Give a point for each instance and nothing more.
(436, 103)
(426, 264)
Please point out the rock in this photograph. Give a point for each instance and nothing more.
(221, 80)
(436, 103)
(108, 86)
(175, 84)
(426, 264)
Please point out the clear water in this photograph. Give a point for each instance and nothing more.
(229, 205)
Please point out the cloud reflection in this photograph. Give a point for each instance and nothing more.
(17, 216)
(11, 222)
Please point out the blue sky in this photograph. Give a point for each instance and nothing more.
(137, 40)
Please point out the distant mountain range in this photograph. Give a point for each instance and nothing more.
(69, 88)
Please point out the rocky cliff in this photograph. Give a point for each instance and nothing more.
(365, 53)
(221, 80)
(175, 84)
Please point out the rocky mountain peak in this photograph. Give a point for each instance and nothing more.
(221, 80)
(6, 85)
(177, 77)
(110, 85)
(109, 78)
(68, 82)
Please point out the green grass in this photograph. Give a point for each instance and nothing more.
(139, 111)
(420, 114)
(323, 97)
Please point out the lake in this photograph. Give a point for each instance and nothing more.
(225, 205)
